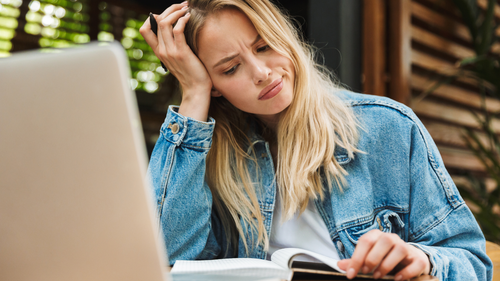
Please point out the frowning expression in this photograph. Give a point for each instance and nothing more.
(243, 68)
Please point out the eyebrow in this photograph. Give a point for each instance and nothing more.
(230, 58)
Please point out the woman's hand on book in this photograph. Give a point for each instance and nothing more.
(171, 48)
(381, 252)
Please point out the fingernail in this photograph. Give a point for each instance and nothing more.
(398, 278)
(185, 7)
(185, 2)
(365, 269)
(351, 273)
(376, 275)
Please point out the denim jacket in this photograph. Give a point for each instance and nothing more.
(400, 185)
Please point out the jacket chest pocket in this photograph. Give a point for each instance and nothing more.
(386, 221)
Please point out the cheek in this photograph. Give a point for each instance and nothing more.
(230, 89)
(291, 67)
(286, 64)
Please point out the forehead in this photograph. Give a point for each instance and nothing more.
(224, 33)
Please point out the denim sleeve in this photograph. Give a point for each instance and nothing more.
(441, 224)
(184, 201)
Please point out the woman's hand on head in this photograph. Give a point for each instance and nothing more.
(381, 252)
(171, 48)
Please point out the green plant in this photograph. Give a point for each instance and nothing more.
(484, 67)
(482, 28)
(477, 191)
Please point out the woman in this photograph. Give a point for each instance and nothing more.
(264, 143)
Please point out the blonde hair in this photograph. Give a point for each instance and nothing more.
(309, 130)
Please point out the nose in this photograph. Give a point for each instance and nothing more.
(260, 71)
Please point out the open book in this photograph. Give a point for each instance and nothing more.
(281, 266)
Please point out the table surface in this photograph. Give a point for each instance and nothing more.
(420, 278)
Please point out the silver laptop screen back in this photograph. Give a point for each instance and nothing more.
(74, 204)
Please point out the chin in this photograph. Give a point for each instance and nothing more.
(279, 108)
(286, 102)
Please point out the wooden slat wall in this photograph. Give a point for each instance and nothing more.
(424, 41)
(374, 58)
(399, 50)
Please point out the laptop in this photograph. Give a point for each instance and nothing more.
(74, 199)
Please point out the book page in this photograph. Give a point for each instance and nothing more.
(239, 266)
(284, 258)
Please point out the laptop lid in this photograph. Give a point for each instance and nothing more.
(74, 202)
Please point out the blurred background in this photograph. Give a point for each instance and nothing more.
(440, 57)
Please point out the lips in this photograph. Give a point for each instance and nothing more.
(272, 90)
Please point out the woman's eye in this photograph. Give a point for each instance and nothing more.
(231, 70)
(263, 49)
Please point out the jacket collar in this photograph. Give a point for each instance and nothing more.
(340, 153)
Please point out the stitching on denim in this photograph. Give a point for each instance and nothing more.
(180, 141)
(400, 221)
(424, 229)
(184, 132)
(195, 146)
(172, 108)
(173, 116)
(166, 180)
(350, 238)
(266, 207)
(432, 257)
(163, 132)
(334, 233)
(370, 217)
(210, 229)
(450, 195)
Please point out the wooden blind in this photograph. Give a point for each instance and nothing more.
(422, 42)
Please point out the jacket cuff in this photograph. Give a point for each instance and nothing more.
(436, 264)
(179, 129)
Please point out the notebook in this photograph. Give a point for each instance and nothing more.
(74, 201)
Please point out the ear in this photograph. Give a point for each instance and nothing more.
(214, 93)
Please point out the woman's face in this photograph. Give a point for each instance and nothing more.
(243, 68)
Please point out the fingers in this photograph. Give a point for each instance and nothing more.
(380, 253)
(178, 30)
(418, 264)
(415, 268)
(165, 28)
(165, 22)
(343, 264)
(171, 9)
(379, 250)
(398, 253)
(148, 34)
(171, 48)
(365, 244)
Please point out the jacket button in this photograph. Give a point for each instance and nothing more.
(340, 246)
(174, 128)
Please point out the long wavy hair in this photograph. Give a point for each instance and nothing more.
(309, 130)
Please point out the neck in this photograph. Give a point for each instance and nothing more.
(270, 121)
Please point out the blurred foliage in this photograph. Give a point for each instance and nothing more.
(477, 192)
(484, 67)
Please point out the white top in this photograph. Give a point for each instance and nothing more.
(307, 231)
